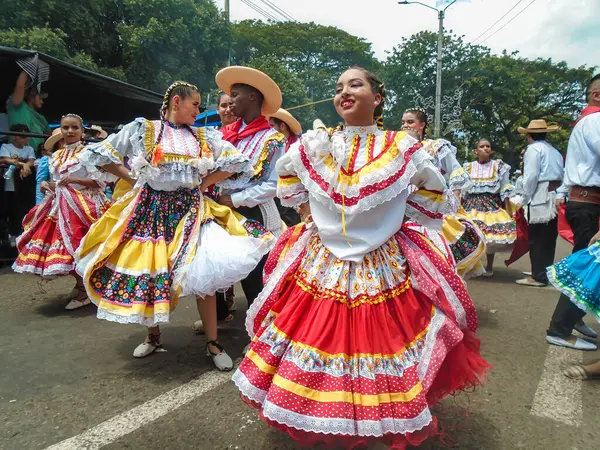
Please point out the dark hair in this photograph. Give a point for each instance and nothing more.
(590, 84)
(248, 88)
(421, 117)
(377, 87)
(221, 94)
(280, 122)
(482, 139)
(538, 136)
(182, 89)
(19, 128)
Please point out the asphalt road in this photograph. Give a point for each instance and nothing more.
(69, 381)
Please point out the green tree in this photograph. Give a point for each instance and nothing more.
(292, 88)
(508, 92)
(315, 53)
(410, 74)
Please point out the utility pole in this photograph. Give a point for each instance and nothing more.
(437, 124)
(438, 77)
(228, 15)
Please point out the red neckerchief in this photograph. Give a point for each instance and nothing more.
(293, 138)
(232, 133)
(586, 112)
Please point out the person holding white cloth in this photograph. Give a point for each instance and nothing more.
(542, 175)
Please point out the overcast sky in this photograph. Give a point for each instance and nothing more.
(564, 30)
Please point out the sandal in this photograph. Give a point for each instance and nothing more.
(221, 360)
(149, 346)
(578, 372)
(81, 299)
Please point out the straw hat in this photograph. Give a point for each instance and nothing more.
(52, 140)
(229, 76)
(289, 120)
(101, 132)
(538, 126)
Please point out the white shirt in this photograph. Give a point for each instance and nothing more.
(249, 192)
(582, 167)
(541, 162)
(9, 151)
(372, 223)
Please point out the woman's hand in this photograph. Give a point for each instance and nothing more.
(65, 181)
(46, 187)
(25, 171)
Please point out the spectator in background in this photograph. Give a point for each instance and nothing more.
(224, 110)
(23, 107)
(95, 132)
(19, 157)
(42, 173)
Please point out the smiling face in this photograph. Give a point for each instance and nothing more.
(354, 99)
(483, 151)
(72, 130)
(224, 110)
(185, 110)
(410, 120)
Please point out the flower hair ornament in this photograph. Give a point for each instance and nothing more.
(379, 118)
(74, 116)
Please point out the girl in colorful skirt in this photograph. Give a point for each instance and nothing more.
(163, 238)
(363, 325)
(487, 202)
(466, 241)
(578, 277)
(55, 227)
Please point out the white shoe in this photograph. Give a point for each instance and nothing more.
(586, 330)
(76, 304)
(221, 360)
(579, 344)
(147, 348)
(487, 274)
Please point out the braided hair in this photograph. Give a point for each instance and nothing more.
(378, 87)
(422, 117)
(183, 90)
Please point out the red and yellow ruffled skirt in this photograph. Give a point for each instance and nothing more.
(346, 353)
(54, 229)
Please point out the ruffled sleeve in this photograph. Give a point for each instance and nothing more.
(458, 179)
(430, 201)
(113, 150)
(290, 190)
(506, 187)
(226, 157)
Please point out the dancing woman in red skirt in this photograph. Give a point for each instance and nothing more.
(55, 227)
(363, 325)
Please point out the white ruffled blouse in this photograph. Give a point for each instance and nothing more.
(444, 158)
(181, 159)
(66, 161)
(361, 183)
(492, 177)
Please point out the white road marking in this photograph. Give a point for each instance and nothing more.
(558, 397)
(129, 421)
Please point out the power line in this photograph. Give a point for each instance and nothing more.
(259, 10)
(504, 26)
(496, 22)
(278, 10)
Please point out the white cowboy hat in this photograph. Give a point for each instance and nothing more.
(538, 126)
(260, 81)
(289, 120)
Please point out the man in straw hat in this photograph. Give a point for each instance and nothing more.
(542, 175)
(254, 95)
(582, 184)
(287, 125)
